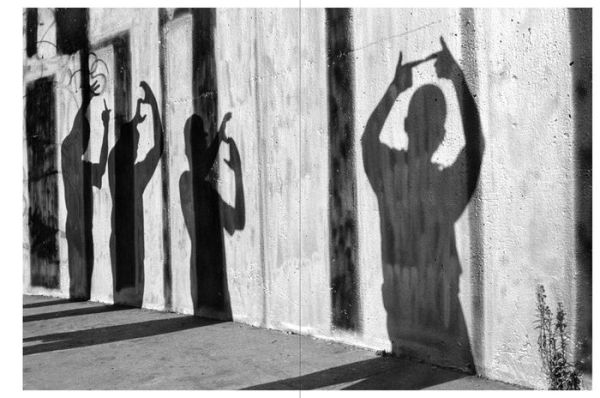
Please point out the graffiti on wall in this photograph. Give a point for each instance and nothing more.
(63, 33)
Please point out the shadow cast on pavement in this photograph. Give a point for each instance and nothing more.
(372, 374)
(110, 334)
(46, 303)
(75, 312)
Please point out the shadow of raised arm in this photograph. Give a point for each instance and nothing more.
(98, 169)
(371, 144)
(234, 218)
(471, 156)
(145, 168)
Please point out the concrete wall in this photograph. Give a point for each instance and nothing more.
(271, 72)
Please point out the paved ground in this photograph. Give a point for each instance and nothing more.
(84, 345)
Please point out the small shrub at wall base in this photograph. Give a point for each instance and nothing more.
(552, 344)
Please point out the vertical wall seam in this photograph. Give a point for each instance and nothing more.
(260, 176)
(88, 205)
(343, 241)
(580, 27)
(165, 171)
(300, 192)
(475, 209)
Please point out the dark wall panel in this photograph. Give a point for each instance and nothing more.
(342, 174)
(42, 185)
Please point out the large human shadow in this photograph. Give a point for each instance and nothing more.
(206, 214)
(128, 179)
(419, 204)
(79, 176)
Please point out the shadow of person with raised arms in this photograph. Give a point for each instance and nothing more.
(128, 180)
(79, 176)
(419, 202)
(206, 214)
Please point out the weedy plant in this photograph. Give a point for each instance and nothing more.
(552, 344)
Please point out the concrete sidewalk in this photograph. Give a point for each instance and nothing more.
(85, 345)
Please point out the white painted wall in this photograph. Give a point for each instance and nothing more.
(271, 75)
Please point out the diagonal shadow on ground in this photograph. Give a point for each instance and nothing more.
(371, 374)
(47, 303)
(75, 312)
(110, 334)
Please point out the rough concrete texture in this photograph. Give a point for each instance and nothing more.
(519, 228)
(518, 231)
(85, 345)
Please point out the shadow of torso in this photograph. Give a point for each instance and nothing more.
(77, 182)
(418, 205)
(127, 182)
(200, 207)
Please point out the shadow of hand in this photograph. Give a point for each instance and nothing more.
(403, 76)
(234, 161)
(446, 66)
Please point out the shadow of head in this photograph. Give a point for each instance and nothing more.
(129, 140)
(424, 123)
(196, 138)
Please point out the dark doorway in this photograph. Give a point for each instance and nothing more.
(42, 183)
